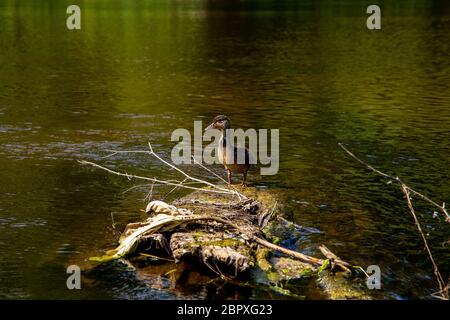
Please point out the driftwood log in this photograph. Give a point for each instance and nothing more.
(230, 238)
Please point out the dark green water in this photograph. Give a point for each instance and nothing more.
(138, 70)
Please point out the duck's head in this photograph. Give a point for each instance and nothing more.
(220, 122)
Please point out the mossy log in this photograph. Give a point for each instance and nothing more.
(230, 238)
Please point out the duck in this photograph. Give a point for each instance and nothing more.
(222, 123)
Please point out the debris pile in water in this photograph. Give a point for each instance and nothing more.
(233, 239)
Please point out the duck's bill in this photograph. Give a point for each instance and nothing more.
(211, 126)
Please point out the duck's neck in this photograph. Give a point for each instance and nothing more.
(223, 151)
(223, 140)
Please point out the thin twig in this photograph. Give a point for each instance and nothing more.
(173, 189)
(112, 220)
(135, 187)
(170, 165)
(155, 257)
(398, 180)
(439, 278)
(151, 152)
(132, 176)
(443, 292)
(215, 174)
(181, 171)
(150, 193)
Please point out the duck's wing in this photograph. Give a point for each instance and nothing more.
(249, 158)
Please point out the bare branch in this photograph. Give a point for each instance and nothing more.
(132, 176)
(215, 174)
(398, 180)
(170, 165)
(443, 292)
(439, 278)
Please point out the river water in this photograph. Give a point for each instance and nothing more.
(138, 70)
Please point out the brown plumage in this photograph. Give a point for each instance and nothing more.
(231, 164)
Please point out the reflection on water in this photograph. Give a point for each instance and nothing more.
(138, 70)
